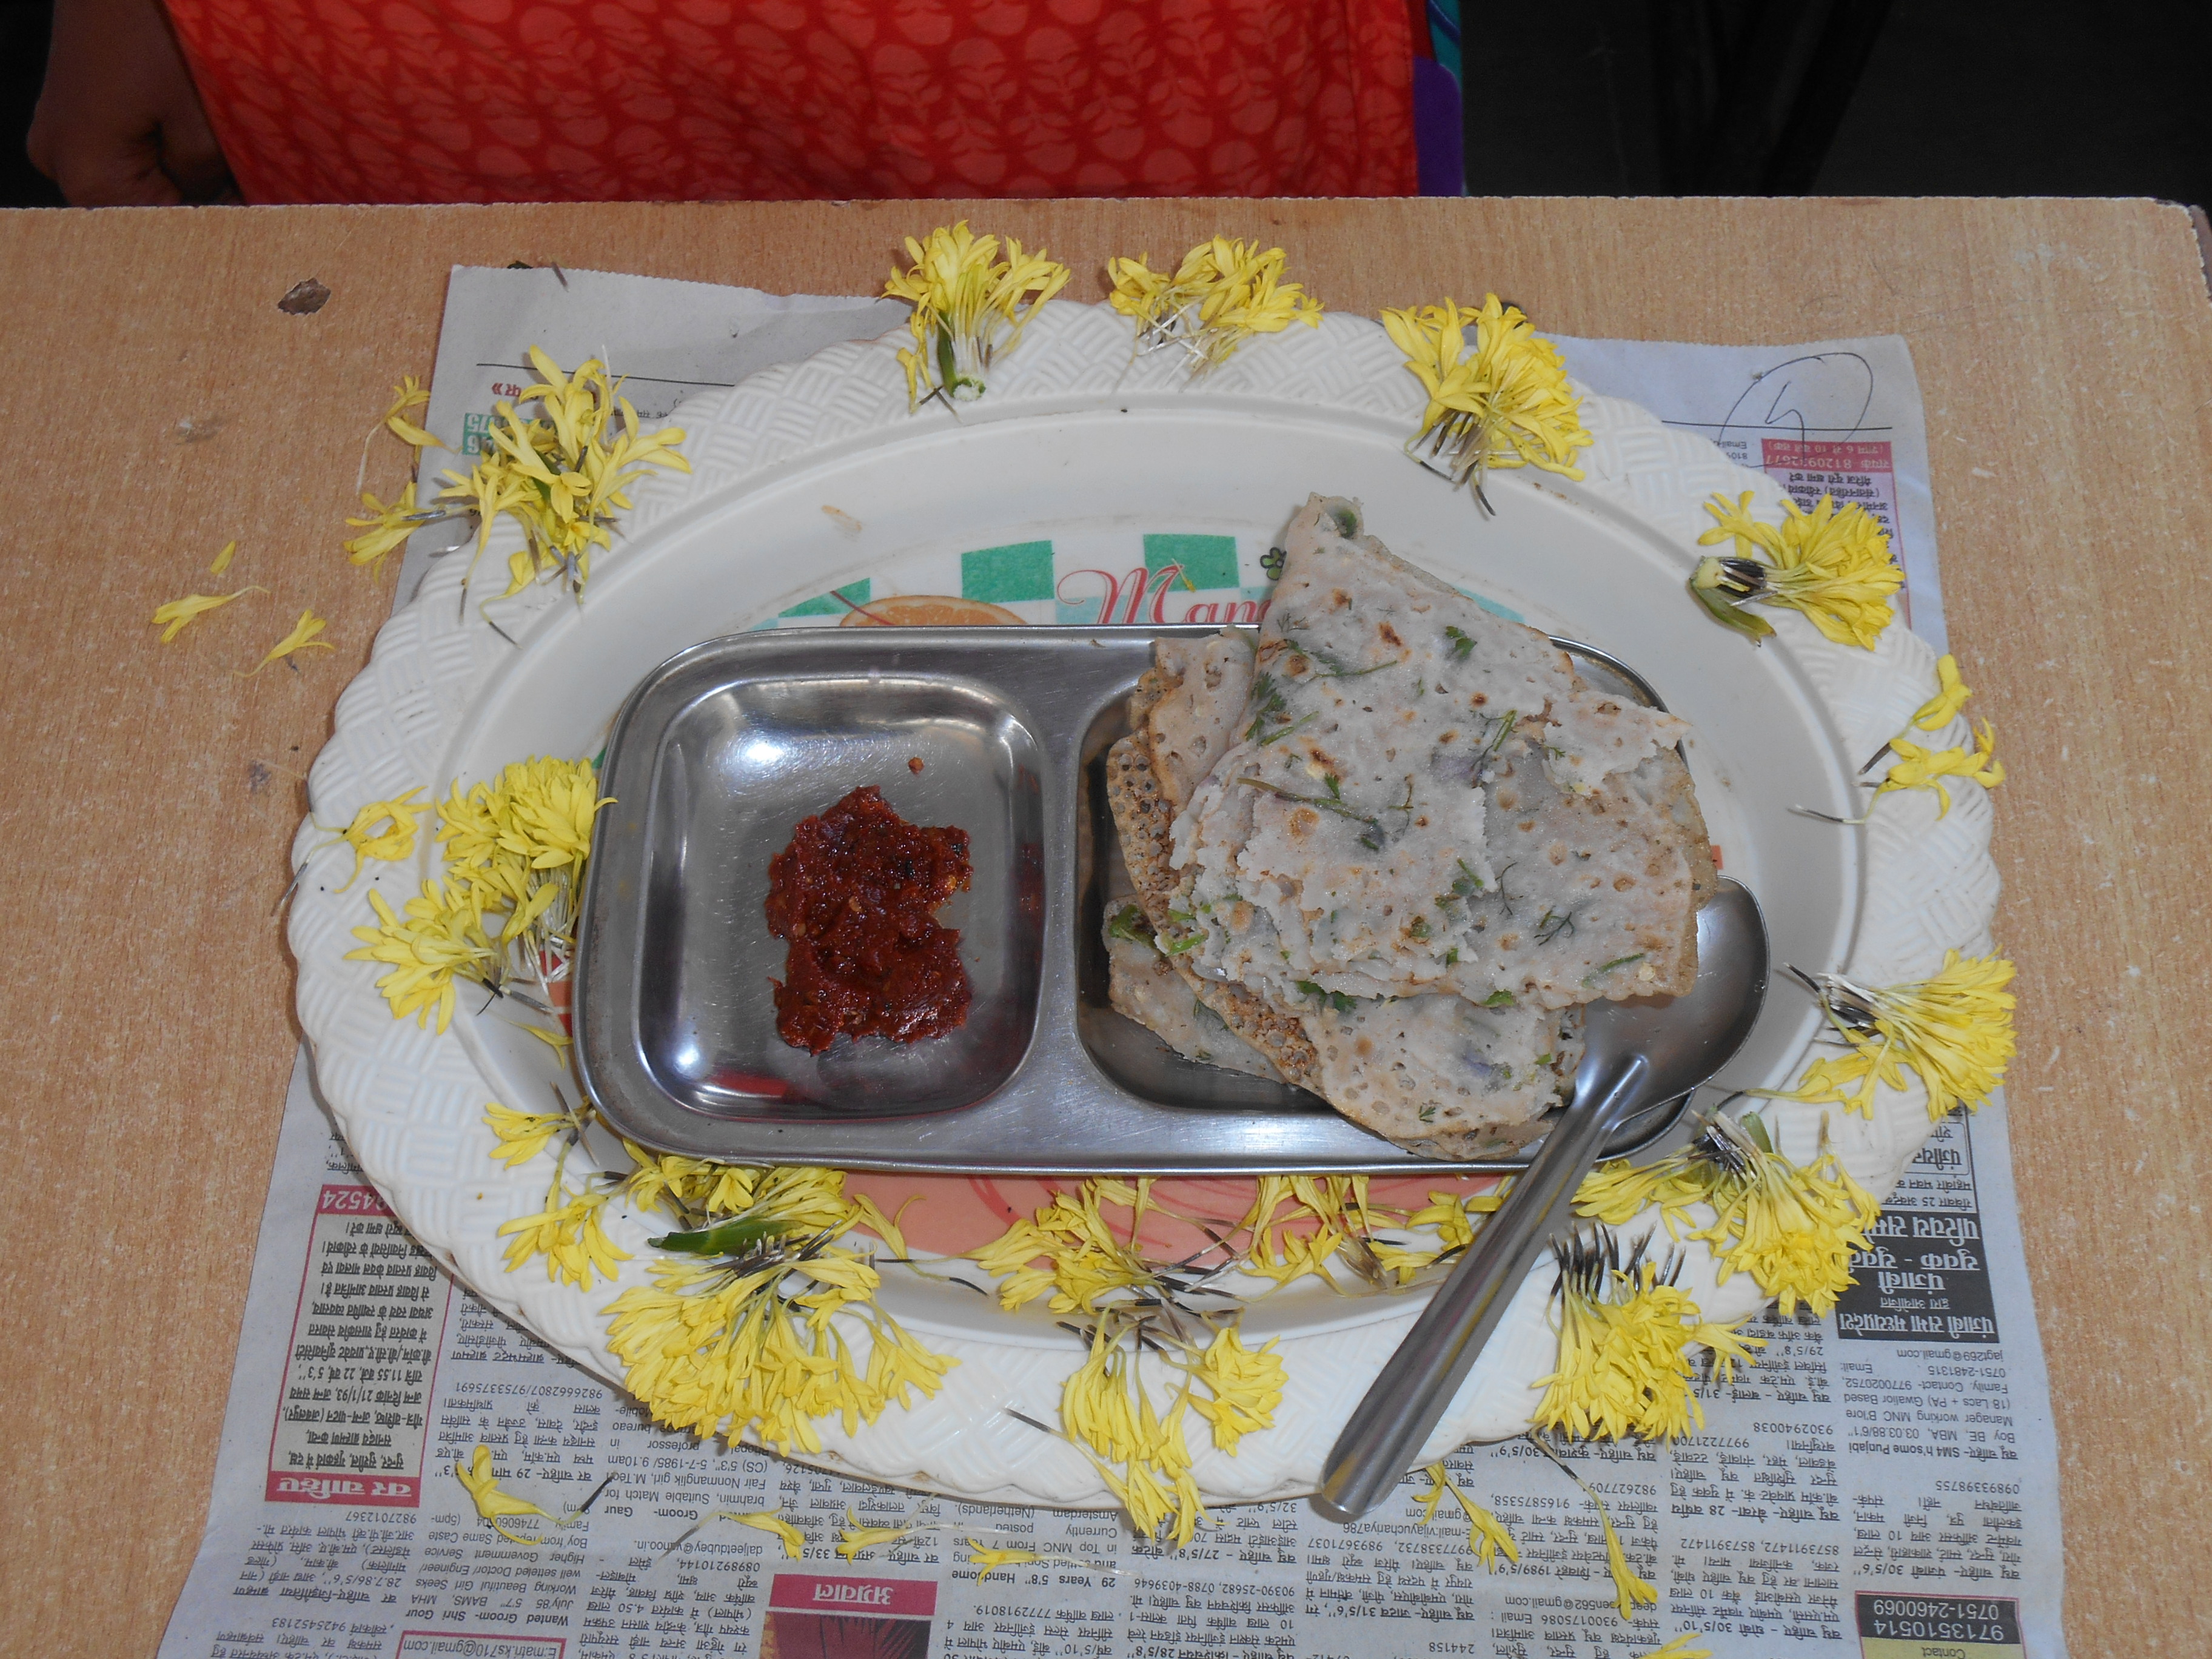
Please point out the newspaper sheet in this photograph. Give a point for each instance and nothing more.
(1884, 1479)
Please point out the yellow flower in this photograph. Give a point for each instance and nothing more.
(442, 936)
(1106, 1408)
(535, 816)
(1246, 1385)
(856, 1537)
(1834, 567)
(301, 638)
(1224, 293)
(410, 393)
(385, 527)
(746, 1206)
(1095, 1401)
(1951, 695)
(490, 487)
(567, 1233)
(491, 1503)
(1922, 768)
(734, 1341)
(988, 1561)
(561, 477)
(1298, 1224)
(1954, 1032)
(173, 617)
(1506, 403)
(1070, 1252)
(523, 1135)
(384, 830)
(1629, 1590)
(1624, 1329)
(519, 846)
(1454, 1215)
(1793, 1229)
(1485, 1533)
(223, 559)
(1084, 1260)
(969, 307)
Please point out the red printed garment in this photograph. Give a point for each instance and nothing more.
(534, 100)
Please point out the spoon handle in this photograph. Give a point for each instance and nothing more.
(1408, 1397)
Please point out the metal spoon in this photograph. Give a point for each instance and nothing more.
(1640, 1053)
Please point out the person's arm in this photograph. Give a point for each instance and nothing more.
(119, 122)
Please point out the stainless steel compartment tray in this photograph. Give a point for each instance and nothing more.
(714, 760)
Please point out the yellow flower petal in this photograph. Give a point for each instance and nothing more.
(386, 528)
(988, 1561)
(410, 393)
(408, 432)
(856, 1537)
(1246, 1385)
(223, 559)
(441, 936)
(522, 1135)
(173, 617)
(1916, 768)
(883, 1226)
(1630, 1591)
(720, 1345)
(1485, 1533)
(1951, 694)
(492, 1504)
(301, 638)
(384, 830)
(567, 1234)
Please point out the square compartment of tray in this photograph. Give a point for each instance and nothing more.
(736, 770)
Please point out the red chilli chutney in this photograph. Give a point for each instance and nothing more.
(855, 894)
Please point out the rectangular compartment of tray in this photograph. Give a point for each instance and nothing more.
(714, 759)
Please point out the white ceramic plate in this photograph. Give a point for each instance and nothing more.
(815, 476)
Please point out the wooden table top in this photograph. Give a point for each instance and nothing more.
(2064, 351)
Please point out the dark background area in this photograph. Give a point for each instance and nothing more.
(1850, 98)
(1742, 97)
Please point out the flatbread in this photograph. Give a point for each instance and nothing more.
(1346, 841)
(1141, 815)
(1418, 844)
(1143, 986)
(1441, 1075)
(1594, 895)
(1187, 706)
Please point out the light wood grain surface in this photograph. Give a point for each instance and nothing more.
(2064, 350)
